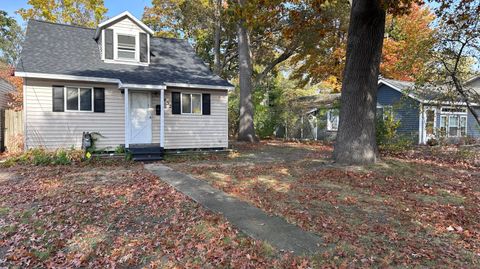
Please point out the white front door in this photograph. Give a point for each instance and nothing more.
(140, 118)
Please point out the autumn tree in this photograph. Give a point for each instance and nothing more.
(11, 37)
(408, 43)
(88, 13)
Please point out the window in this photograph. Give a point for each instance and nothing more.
(443, 125)
(383, 112)
(191, 103)
(454, 110)
(453, 121)
(79, 99)
(453, 125)
(332, 119)
(126, 46)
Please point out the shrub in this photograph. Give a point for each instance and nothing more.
(386, 130)
(120, 149)
(61, 158)
(43, 157)
(398, 144)
(387, 137)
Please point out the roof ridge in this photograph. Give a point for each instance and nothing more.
(62, 24)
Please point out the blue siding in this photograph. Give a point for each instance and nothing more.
(473, 129)
(406, 109)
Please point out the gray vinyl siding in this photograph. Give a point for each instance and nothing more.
(194, 131)
(407, 109)
(473, 129)
(53, 130)
(5, 87)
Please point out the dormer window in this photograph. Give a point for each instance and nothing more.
(126, 47)
(125, 40)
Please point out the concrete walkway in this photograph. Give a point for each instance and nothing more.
(249, 219)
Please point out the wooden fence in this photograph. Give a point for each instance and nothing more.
(11, 130)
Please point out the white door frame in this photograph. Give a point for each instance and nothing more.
(148, 129)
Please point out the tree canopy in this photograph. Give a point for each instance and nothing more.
(11, 36)
(86, 13)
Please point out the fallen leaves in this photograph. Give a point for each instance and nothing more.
(395, 213)
(116, 215)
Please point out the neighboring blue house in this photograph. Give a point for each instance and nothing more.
(422, 118)
(425, 117)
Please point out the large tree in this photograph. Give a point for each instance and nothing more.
(356, 141)
(246, 129)
(88, 13)
(11, 37)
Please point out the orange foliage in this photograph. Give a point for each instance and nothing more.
(406, 49)
(15, 99)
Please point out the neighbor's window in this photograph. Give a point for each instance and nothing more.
(332, 119)
(453, 125)
(453, 121)
(191, 103)
(126, 46)
(79, 99)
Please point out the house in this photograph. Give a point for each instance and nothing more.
(425, 114)
(317, 118)
(422, 114)
(5, 88)
(119, 80)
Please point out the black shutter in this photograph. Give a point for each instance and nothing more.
(108, 44)
(206, 104)
(176, 103)
(99, 101)
(58, 99)
(143, 48)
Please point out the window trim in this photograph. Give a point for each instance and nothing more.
(330, 123)
(65, 99)
(191, 103)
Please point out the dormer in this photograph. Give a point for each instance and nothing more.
(124, 39)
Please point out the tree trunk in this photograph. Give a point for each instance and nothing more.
(218, 25)
(356, 140)
(246, 130)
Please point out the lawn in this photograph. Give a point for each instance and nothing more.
(107, 215)
(418, 208)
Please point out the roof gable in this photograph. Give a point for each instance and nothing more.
(118, 18)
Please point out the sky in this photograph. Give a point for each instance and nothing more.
(115, 7)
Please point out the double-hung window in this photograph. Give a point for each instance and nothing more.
(126, 47)
(453, 122)
(79, 99)
(191, 103)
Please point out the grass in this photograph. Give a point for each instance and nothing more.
(392, 214)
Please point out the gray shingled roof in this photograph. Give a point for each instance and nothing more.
(71, 50)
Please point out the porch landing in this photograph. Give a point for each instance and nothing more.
(146, 152)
